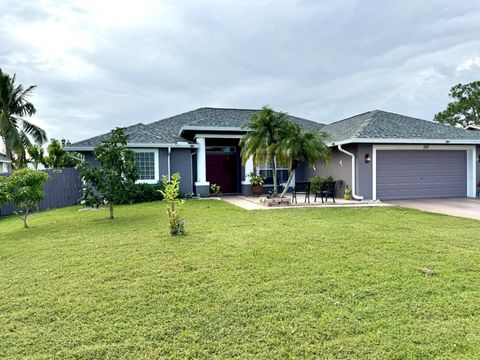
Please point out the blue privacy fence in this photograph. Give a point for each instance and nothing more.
(63, 188)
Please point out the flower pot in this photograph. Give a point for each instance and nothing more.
(347, 196)
(257, 190)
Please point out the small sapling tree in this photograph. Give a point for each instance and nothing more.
(115, 176)
(171, 193)
(24, 189)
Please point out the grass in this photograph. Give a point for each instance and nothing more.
(300, 283)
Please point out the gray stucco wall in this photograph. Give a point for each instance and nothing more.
(302, 172)
(163, 162)
(181, 162)
(339, 167)
(364, 171)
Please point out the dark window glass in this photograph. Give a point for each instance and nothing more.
(145, 165)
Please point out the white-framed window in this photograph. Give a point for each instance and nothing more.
(266, 171)
(147, 165)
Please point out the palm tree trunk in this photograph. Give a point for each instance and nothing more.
(274, 176)
(290, 177)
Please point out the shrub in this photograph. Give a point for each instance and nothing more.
(171, 194)
(317, 182)
(142, 193)
(4, 190)
(24, 189)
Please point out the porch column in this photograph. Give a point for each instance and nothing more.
(201, 185)
(246, 187)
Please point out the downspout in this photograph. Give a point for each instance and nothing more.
(191, 166)
(354, 195)
(168, 163)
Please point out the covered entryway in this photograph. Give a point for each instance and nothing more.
(223, 164)
(421, 174)
(222, 170)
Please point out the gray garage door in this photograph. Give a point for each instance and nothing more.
(411, 174)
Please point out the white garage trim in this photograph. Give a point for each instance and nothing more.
(471, 162)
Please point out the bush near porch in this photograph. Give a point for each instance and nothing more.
(289, 283)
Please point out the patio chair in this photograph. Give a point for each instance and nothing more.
(301, 187)
(327, 190)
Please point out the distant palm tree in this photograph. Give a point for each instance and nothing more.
(262, 138)
(37, 155)
(298, 146)
(14, 129)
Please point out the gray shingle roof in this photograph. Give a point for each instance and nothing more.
(167, 131)
(379, 124)
(372, 125)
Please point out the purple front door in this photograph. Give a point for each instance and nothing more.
(222, 170)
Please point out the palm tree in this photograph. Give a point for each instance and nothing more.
(298, 146)
(15, 131)
(261, 141)
(37, 155)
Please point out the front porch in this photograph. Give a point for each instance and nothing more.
(256, 203)
(218, 162)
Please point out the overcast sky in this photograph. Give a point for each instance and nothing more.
(100, 64)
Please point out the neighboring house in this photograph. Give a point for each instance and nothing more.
(381, 155)
(473, 127)
(4, 162)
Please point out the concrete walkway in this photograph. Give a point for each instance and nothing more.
(253, 203)
(464, 207)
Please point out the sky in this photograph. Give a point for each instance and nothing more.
(101, 64)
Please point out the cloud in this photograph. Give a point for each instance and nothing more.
(100, 64)
(469, 64)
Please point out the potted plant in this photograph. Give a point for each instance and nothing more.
(215, 189)
(347, 193)
(256, 181)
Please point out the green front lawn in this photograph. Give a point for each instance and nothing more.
(300, 283)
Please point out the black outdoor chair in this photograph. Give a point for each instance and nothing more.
(301, 187)
(327, 190)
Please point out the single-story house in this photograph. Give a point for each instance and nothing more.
(4, 162)
(380, 155)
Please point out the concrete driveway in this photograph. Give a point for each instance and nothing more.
(464, 207)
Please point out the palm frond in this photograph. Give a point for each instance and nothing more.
(25, 140)
(14, 106)
(38, 134)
